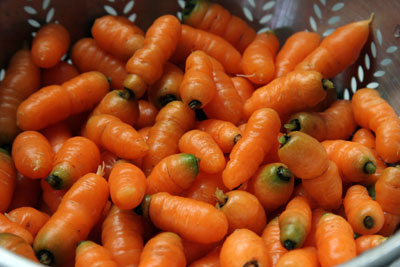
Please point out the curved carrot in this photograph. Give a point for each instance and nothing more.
(390, 224)
(147, 114)
(296, 48)
(145, 67)
(366, 242)
(55, 103)
(89, 253)
(8, 180)
(331, 57)
(27, 192)
(17, 245)
(388, 191)
(335, 241)
(246, 156)
(117, 35)
(32, 154)
(303, 257)
(258, 60)
(365, 137)
(271, 238)
(29, 218)
(78, 211)
(244, 87)
(50, 196)
(58, 74)
(288, 94)
(316, 215)
(211, 259)
(57, 134)
(164, 249)
(8, 226)
(50, 43)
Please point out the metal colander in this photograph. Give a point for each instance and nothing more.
(378, 65)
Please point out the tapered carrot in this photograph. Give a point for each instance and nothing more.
(17, 245)
(390, 224)
(271, 238)
(147, 114)
(388, 190)
(209, 260)
(26, 194)
(303, 257)
(57, 134)
(58, 74)
(8, 180)
(316, 215)
(29, 218)
(367, 242)
(8, 226)
(244, 87)
(50, 196)
(88, 253)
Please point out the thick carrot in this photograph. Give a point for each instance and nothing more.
(244, 87)
(388, 190)
(26, 194)
(209, 260)
(303, 257)
(366, 242)
(29, 218)
(55, 103)
(50, 196)
(147, 114)
(246, 156)
(58, 74)
(57, 134)
(316, 215)
(88, 253)
(339, 50)
(390, 225)
(17, 245)
(8, 180)
(50, 43)
(271, 238)
(8, 226)
(258, 60)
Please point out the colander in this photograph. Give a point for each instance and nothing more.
(377, 67)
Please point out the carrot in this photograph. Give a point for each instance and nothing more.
(21, 79)
(145, 67)
(336, 122)
(271, 239)
(299, 190)
(388, 190)
(339, 50)
(258, 60)
(335, 241)
(164, 249)
(214, 18)
(198, 88)
(213, 45)
(373, 112)
(251, 252)
(32, 154)
(26, 194)
(316, 215)
(326, 188)
(194, 251)
(29, 218)
(296, 48)
(295, 223)
(272, 156)
(117, 35)
(147, 114)
(173, 120)
(390, 224)
(55, 103)
(50, 43)
(122, 236)
(243, 86)
(8, 226)
(144, 132)
(209, 260)
(78, 211)
(366, 242)
(111, 133)
(354, 161)
(303, 257)
(167, 88)
(17, 245)
(290, 93)
(365, 137)
(192, 219)
(58, 74)
(272, 185)
(89, 253)
(246, 156)
(57, 134)
(50, 196)
(96, 231)
(127, 185)
(109, 159)
(8, 180)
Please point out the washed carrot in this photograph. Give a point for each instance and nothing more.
(388, 190)
(192, 219)
(96, 231)
(29, 218)
(366, 242)
(272, 185)
(144, 132)
(58, 74)
(55, 103)
(273, 156)
(299, 190)
(215, 46)
(316, 215)
(109, 160)
(243, 86)
(88, 253)
(145, 66)
(50, 43)
(258, 60)
(122, 236)
(117, 35)
(271, 239)
(194, 251)
(147, 114)
(242, 127)
(288, 94)
(78, 211)
(365, 137)
(164, 249)
(331, 57)
(198, 88)
(302, 257)
(8, 226)
(26, 194)
(17, 245)
(251, 252)
(248, 153)
(209, 260)
(8, 180)
(335, 241)
(32, 154)
(57, 134)
(390, 224)
(50, 196)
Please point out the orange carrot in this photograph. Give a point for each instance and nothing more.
(194, 251)
(365, 137)
(50, 196)
(26, 194)
(316, 215)
(271, 238)
(109, 159)
(58, 74)
(89, 253)
(388, 190)
(209, 260)
(57, 134)
(390, 225)
(8, 226)
(244, 87)
(147, 114)
(8, 180)
(303, 257)
(299, 190)
(366, 242)
(17, 245)
(29, 218)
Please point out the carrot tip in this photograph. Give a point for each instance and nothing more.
(327, 84)
(237, 138)
(289, 244)
(221, 198)
(293, 125)
(283, 140)
(369, 168)
(284, 173)
(54, 181)
(252, 263)
(45, 257)
(166, 99)
(126, 93)
(100, 169)
(371, 18)
(189, 7)
(368, 222)
(195, 104)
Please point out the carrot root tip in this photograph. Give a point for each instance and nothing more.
(283, 140)
(293, 125)
(371, 18)
(237, 138)
(369, 168)
(189, 7)
(221, 198)
(284, 173)
(45, 257)
(126, 93)
(54, 181)
(166, 99)
(368, 222)
(251, 263)
(356, 235)
(195, 104)
(289, 244)
(371, 191)
(327, 84)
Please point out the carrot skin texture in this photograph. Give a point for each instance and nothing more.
(147, 114)
(57, 134)
(387, 190)
(366, 242)
(90, 253)
(26, 193)
(31, 219)
(8, 226)
(8, 180)
(271, 238)
(303, 257)
(211, 259)
(58, 74)
(17, 245)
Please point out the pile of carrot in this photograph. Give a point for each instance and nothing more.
(194, 143)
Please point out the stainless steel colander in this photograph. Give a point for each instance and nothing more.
(378, 66)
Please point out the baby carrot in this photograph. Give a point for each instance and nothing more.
(27, 192)
(50, 196)
(58, 74)
(316, 215)
(390, 224)
(8, 226)
(17, 245)
(258, 60)
(88, 253)
(50, 43)
(147, 114)
(272, 242)
(57, 134)
(302, 257)
(366, 242)
(29, 218)
(244, 87)
(211, 259)
(388, 190)
(32, 154)
(8, 180)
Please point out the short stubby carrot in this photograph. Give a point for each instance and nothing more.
(17, 245)
(251, 252)
(8, 180)
(248, 153)
(388, 190)
(55, 103)
(258, 60)
(145, 66)
(335, 240)
(127, 185)
(303, 154)
(164, 249)
(273, 185)
(58, 74)
(89, 253)
(367, 242)
(354, 161)
(288, 94)
(302, 257)
(57, 134)
(173, 174)
(32, 154)
(295, 49)
(192, 219)
(29, 218)
(243, 86)
(147, 114)
(78, 156)
(295, 223)
(211, 259)
(78, 211)
(117, 35)
(8, 226)
(272, 242)
(50, 43)
(50, 196)
(338, 50)
(26, 193)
